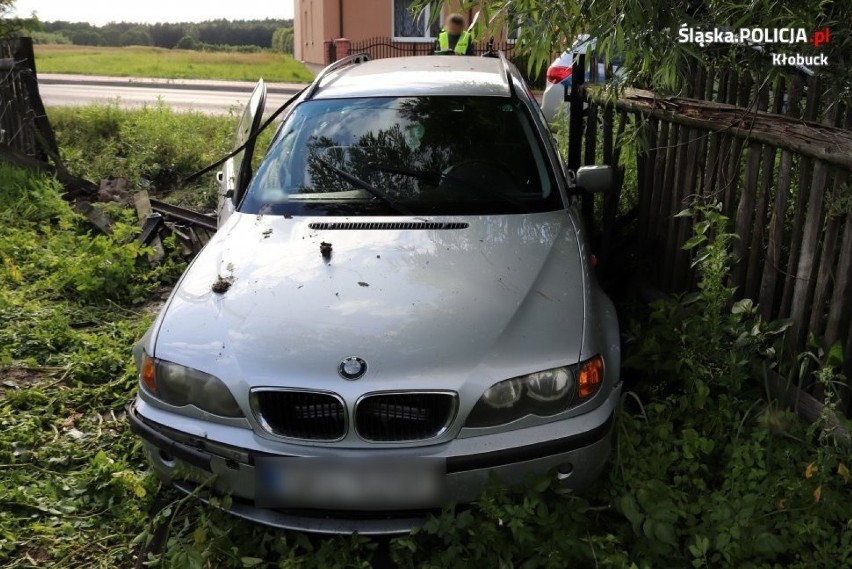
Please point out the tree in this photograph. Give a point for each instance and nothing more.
(86, 37)
(111, 37)
(282, 40)
(8, 26)
(647, 34)
(167, 35)
(136, 36)
(187, 42)
(247, 33)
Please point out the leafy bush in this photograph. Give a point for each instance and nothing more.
(25, 197)
(187, 42)
(45, 252)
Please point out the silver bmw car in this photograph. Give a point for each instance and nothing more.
(398, 304)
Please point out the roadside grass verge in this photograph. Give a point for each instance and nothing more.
(169, 63)
(704, 473)
(153, 148)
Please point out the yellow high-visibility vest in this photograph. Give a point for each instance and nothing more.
(461, 45)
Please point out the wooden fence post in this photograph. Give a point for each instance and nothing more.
(772, 262)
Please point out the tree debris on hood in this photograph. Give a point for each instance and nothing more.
(222, 284)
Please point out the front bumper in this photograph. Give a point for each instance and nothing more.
(578, 447)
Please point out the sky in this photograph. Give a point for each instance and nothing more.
(100, 12)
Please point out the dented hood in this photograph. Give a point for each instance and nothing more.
(425, 308)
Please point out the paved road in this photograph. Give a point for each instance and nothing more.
(211, 97)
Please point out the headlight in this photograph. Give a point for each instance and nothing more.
(504, 394)
(550, 385)
(543, 393)
(179, 385)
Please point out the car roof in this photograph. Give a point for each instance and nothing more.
(418, 76)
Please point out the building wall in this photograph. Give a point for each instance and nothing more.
(319, 20)
(314, 22)
(364, 19)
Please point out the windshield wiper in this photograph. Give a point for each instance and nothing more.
(435, 177)
(366, 186)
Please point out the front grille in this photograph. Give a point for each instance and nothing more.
(387, 417)
(387, 225)
(301, 414)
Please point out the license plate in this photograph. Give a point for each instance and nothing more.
(336, 483)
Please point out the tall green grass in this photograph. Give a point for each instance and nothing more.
(170, 63)
(154, 148)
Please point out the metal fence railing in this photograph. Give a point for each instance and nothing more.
(384, 47)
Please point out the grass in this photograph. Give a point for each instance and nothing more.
(169, 63)
(704, 472)
(153, 148)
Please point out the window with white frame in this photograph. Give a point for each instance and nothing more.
(408, 27)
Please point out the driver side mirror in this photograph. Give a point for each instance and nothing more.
(594, 179)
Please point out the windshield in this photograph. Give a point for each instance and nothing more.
(410, 155)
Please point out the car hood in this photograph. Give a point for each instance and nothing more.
(432, 308)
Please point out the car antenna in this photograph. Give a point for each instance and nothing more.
(308, 91)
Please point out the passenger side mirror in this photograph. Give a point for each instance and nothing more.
(594, 179)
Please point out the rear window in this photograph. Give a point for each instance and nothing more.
(420, 155)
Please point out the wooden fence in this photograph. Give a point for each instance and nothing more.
(23, 122)
(778, 156)
(26, 137)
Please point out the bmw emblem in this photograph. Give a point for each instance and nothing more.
(352, 368)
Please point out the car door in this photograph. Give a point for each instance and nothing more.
(237, 171)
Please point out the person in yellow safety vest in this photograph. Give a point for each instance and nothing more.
(455, 38)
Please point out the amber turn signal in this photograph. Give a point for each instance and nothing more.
(591, 377)
(148, 374)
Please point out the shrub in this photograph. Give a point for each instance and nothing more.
(187, 42)
(44, 251)
(28, 197)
